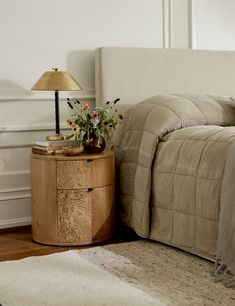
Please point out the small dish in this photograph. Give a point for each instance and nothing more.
(73, 150)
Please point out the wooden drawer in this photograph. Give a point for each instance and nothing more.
(85, 215)
(85, 173)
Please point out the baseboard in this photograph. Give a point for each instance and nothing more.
(12, 223)
(15, 228)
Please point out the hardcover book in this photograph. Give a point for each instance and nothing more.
(54, 143)
(47, 150)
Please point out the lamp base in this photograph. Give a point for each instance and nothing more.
(58, 137)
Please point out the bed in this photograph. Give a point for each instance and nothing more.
(175, 148)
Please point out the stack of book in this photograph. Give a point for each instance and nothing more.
(51, 146)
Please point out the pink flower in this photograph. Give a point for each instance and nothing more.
(86, 106)
(94, 115)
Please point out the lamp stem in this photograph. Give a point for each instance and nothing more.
(57, 113)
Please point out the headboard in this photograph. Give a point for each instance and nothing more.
(134, 74)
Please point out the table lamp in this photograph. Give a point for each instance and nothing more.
(56, 81)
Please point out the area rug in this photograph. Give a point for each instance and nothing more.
(65, 279)
(170, 275)
(131, 273)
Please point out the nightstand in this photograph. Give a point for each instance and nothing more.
(72, 198)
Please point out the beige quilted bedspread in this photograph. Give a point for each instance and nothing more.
(171, 152)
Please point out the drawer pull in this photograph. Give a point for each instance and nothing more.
(89, 160)
(90, 189)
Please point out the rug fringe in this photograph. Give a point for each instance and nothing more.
(223, 274)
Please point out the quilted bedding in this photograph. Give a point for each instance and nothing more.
(171, 152)
(186, 179)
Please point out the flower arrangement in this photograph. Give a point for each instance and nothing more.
(87, 123)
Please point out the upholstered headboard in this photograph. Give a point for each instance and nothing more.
(134, 74)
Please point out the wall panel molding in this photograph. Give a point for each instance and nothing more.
(28, 125)
(179, 23)
(15, 194)
(15, 209)
(11, 95)
(15, 180)
(18, 128)
(192, 13)
(13, 190)
(18, 172)
(9, 223)
(166, 17)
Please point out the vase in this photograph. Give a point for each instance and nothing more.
(94, 144)
(73, 150)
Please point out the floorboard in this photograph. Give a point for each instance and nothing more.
(17, 243)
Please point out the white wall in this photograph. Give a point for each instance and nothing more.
(214, 24)
(36, 36)
(180, 24)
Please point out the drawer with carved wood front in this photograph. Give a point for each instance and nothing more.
(84, 173)
(72, 198)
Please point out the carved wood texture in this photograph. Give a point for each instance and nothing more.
(84, 173)
(74, 216)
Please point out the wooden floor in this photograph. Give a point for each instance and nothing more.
(17, 244)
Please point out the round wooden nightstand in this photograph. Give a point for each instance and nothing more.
(72, 198)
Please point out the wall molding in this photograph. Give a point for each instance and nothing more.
(12, 95)
(18, 136)
(8, 223)
(167, 23)
(9, 174)
(18, 146)
(15, 189)
(18, 128)
(89, 96)
(15, 182)
(17, 172)
(192, 18)
(15, 193)
(8, 196)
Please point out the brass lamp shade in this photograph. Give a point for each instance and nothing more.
(56, 80)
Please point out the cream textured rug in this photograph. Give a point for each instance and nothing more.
(132, 273)
(65, 279)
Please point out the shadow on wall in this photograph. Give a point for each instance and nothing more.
(10, 87)
(81, 64)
